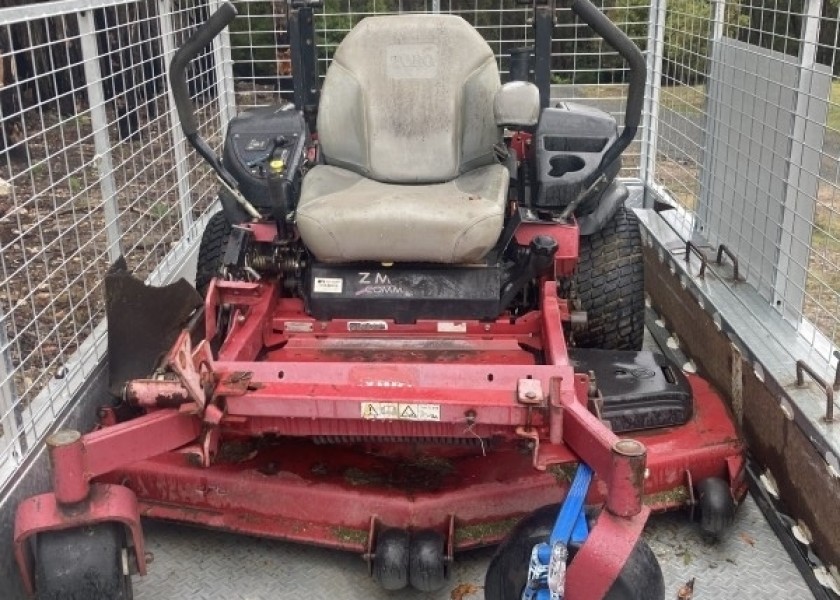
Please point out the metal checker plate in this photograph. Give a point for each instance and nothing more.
(200, 564)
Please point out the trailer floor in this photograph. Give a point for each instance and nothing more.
(749, 562)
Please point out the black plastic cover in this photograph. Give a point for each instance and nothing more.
(638, 390)
(250, 139)
(405, 293)
(143, 323)
(571, 140)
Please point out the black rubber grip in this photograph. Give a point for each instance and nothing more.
(191, 48)
(601, 24)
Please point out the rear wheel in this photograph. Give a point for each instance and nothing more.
(85, 563)
(639, 579)
(609, 285)
(211, 251)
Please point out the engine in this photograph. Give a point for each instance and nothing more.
(265, 150)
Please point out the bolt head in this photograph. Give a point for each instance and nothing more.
(65, 437)
(630, 448)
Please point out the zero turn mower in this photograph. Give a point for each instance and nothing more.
(417, 330)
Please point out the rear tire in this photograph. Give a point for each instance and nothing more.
(85, 563)
(609, 285)
(639, 579)
(211, 251)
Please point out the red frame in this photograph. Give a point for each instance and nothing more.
(282, 373)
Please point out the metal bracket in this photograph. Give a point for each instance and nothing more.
(692, 500)
(689, 247)
(369, 545)
(722, 249)
(534, 436)
(193, 368)
(529, 392)
(801, 368)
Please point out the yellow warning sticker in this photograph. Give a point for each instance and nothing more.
(398, 411)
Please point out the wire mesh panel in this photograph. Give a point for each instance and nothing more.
(685, 33)
(822, 288)
(91, 169)
(775, 153)
(584, 68)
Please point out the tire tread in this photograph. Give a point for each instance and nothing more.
(609, 285)
(211, 251)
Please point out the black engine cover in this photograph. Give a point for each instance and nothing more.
(639, 390)
(250, 139)
(405, 293)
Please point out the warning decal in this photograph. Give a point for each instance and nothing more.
(407, 411)
(327, 285)
(404, 412)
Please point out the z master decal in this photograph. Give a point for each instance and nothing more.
(377, 284)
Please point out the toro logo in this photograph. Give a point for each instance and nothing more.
(411, 61)
(377, 284)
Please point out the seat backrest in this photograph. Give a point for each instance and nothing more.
(409, 99)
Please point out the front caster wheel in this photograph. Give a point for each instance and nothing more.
(390, 561)
(717, 507)
(86, 563)
(639, 579)
(427, 569)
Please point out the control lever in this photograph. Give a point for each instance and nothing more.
(190, 49)
(279, 187)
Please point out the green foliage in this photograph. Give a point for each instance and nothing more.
(632, 17)
(834, 109)
(579, 55)
(688, 30)
(340, 16)
(253, 41)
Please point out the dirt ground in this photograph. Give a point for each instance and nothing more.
(55, 244)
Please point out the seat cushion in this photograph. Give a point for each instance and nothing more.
(345, 217)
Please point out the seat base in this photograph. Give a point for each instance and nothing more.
(345, 217)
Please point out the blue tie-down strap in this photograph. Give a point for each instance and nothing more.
(547, 567)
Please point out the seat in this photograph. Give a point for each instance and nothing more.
(407, 130)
